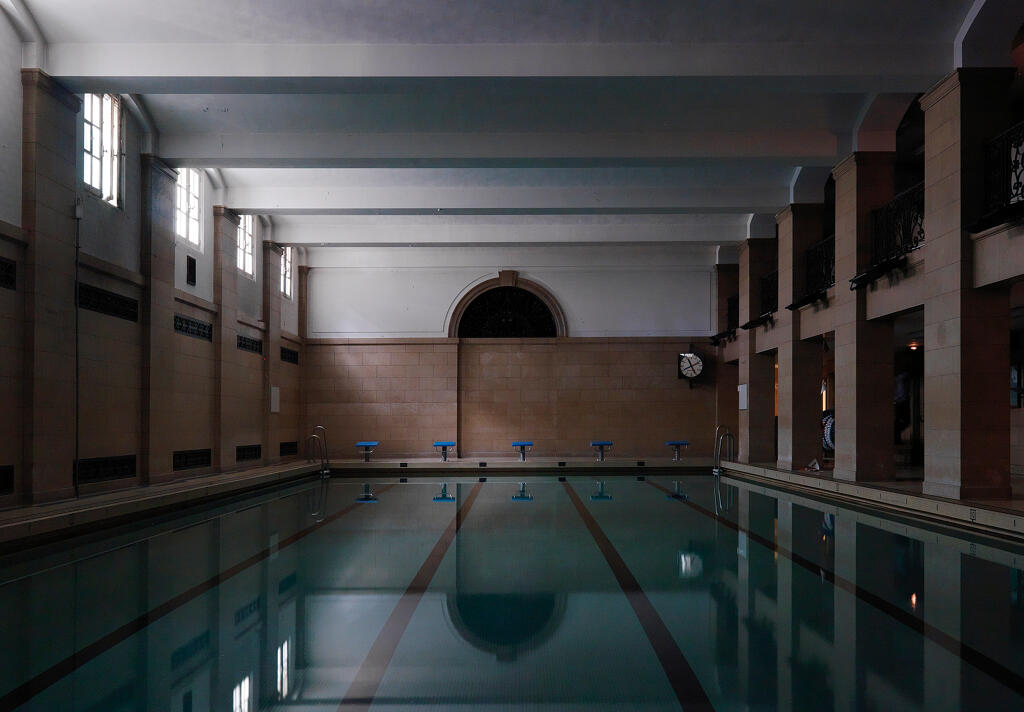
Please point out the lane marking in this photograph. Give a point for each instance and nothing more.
(35, 685)
(684, 681)
(993, 668)
(364, 686)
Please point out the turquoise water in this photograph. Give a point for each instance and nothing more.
(302, 599)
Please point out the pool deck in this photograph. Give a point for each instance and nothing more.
(57, 519)
(1003, 517)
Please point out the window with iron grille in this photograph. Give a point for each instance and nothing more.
(245, 239)
(101, 142)
(286, 272)
(187, 223)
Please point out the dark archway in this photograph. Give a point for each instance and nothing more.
(507, 307)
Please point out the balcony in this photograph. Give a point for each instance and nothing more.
(732, 321)
(1004, 179)
(769, 300)
(897, 230)
(819, 272)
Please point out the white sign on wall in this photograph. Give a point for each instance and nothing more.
(742, 395)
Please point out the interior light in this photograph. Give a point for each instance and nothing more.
(913, 601)
(913, 345)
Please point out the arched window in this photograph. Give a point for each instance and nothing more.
(507, 312)
(507, 307)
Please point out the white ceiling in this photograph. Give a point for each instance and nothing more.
(506, 121)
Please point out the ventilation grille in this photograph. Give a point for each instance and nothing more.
(290, 448)
(109, 303)
(193, 327)
(100, 469)
(6, 479)
(289, 355)
(244, 612)
(248, 452)
(190, 459)
(196, 645)
(8, 273)
(245, 343)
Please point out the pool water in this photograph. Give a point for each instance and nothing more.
(738, 598)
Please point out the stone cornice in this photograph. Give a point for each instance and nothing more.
(156, 163)
(221, 211)
(862, 158)
(40, 79)
(940, 89)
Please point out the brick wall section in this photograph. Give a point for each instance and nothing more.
(564, 393)
(402, 394)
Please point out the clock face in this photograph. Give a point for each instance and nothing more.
(690, 365)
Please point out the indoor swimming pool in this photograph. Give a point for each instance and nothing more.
(492, 595)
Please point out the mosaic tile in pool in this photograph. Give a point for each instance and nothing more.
(305, 599)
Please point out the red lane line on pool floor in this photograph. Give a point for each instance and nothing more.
(29, 689)
(364, 686)
(689, 691)
(971, 655)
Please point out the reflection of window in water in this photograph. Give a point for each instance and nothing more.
(241, 696)
(282, 669)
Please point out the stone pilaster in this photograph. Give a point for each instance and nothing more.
(799, 361)
(967, 330)
(756, 439)
(272, 256)
(49, 189)
(156, 314)
(227, 384)
(726, 374)
(864, 349)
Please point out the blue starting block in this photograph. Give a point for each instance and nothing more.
(676, 445)
(444, 445)
(444, 495)
(600, 494)
(367, 447)
(523, 446)
(523, 495)
(600, 446)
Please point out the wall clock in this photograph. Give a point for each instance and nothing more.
(690, 366)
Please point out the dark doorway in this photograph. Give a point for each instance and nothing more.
(507, 313)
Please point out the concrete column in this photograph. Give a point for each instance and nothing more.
(272, 255)
(49, 185)
(941, 601)
(967, 330)
(844, 660)
(756, 440)
(157, 317)
(227, 385)
(864, 349)
(799, 373)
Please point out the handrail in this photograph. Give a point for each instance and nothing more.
(327, 450)
(727, 441)
(325, 470)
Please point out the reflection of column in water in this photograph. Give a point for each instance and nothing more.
(743, 592)
(844, 661)
(940, 603)
(784, 612)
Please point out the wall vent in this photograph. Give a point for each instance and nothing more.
(289, 355)
(190, 270)
(244, 612)
(6, 479)
(248, 452)
(289, 448)
(245, 343)
(193, 327)
(8, 273)
(100, 469)
(181, 654)
(191, 459)
(109, 303)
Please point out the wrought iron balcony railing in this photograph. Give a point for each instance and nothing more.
(820, 266)
(898, 226)
(1004, 177)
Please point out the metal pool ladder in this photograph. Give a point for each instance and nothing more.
(725, 443)
(321, 452)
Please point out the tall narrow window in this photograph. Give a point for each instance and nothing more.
(282, 669)
(286, 272)
(245, 244)
(101, 141)
(241, 696)
(186, 222)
